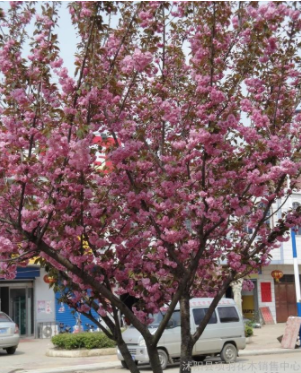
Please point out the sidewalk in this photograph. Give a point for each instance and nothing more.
(264, 341)
(30, 356)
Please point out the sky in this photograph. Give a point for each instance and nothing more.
(66, 35)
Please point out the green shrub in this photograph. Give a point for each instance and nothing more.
(248, 330)
(82, 340)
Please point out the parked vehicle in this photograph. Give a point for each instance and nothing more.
(90, 328)
(64, 328)
(9, 334)
(224, 335)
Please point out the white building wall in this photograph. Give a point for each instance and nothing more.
(44, 300)
(266, 277)
(284, 254)
(282, 257)
(277, 254)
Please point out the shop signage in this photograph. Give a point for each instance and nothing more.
(266, 315)
(291, 332)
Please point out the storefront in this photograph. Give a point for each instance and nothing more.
(17, 298)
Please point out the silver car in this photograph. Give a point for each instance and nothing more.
(9, 334)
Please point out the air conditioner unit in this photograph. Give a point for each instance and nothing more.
(48, 330)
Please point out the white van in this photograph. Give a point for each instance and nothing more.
(224, 335)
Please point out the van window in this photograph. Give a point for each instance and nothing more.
(228, 314)
(176, 318)
(199, 314)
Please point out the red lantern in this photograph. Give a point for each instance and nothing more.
(277, 274)
(48, 280)
(51, 280)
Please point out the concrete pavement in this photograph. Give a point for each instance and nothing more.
(31, 355)
(264, 341)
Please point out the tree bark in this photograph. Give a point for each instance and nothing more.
(186, 339)
(127, 357)
(154, 359)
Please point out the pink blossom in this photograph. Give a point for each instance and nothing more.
(57, 63)
(85, 12)
(19, 95)
(141, 60)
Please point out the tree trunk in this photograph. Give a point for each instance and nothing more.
(127, 357)
(186, 339)
(154, 359)
(152, 353)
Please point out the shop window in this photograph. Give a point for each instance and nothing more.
(228, 314)
(199, 314)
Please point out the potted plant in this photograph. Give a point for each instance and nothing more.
(248, 332)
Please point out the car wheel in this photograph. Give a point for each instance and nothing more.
(163, 357)
(229, 353)
(11, 350)
(124, 364)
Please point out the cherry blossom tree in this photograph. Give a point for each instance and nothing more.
(197, 102)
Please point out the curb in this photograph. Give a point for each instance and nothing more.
(53, 352)
(112, 365)
(269, 351)
(75, 368)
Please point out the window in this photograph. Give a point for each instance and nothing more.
(174, 321)
(228, 314)
(199, 314)
(248, 230)
(176, 318)
(268, 217)
(297, 229)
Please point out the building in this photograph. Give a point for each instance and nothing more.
(34, 306)
(278, 295)
(27, 299)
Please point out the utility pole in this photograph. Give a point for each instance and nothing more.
(295, 261)
(296, 272)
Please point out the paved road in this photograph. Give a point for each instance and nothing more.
(30, 355)
(284, 363)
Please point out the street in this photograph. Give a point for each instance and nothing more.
(30, 357)
(282, 363)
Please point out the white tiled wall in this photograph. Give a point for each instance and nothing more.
(266, 277)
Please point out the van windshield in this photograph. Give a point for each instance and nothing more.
(174, 321)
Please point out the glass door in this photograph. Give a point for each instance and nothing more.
(30, 308)
(18, 311)
(17, 300)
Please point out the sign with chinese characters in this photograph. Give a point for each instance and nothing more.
(48, 308)
(41, 306)
(266, 292)
(291, 332)
(266, 315)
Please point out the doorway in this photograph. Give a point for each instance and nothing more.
(285, 296)
(16, 300)
(250, 306)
